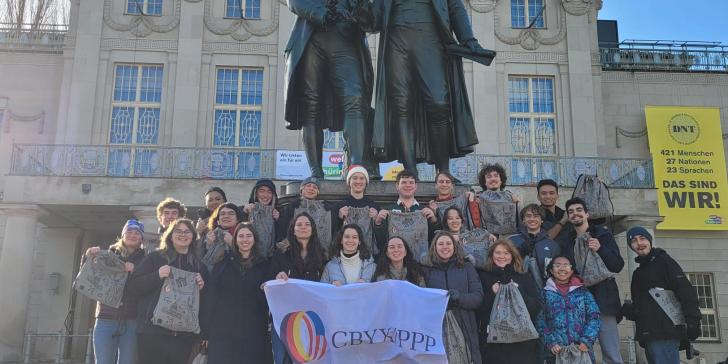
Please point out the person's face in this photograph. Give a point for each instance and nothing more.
(577, 215)
(492, 181)
(350, 241)
(310, 191)
(132, 238)
(453, 220)
(358, 182)
(444, 185)
(641, 245)
(213, 200)
(407, 187)
(168, 216)
(245, 240)
(227, 218)
(562, 270)
(302, 228)
(264, 195)
(396, 250)
(548, 196)
(444, 247)
(502, 256)
(532, 221)
(181, 236)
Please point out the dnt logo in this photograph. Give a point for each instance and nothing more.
(683, 129)
(304, 336)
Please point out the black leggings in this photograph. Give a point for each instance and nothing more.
(164, 349)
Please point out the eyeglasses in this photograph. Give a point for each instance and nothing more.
(562, 266)
(227, 213)
(181, 232)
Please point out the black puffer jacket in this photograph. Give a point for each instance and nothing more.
(658, 269)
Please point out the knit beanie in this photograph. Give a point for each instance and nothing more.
(310, 179)
(133, 225)
(637, 230)
(355, 168)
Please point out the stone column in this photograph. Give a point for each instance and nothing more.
(16, 265)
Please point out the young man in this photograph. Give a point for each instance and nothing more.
(532, 240)
(468, 205)
(168, 210)
(658, 271)
(357, 179)
(547, 192)
(606, 292)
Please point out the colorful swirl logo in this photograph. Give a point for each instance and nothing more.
(304, 336)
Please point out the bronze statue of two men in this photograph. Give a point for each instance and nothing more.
(421, 111)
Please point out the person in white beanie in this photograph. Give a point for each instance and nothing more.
(357, 179)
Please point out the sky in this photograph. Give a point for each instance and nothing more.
(692, 20)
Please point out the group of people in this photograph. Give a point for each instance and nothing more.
(232, 259)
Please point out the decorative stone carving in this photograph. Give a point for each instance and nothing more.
(139, 44)
(143, 25)
(10, 115)
(577, 7)
(242, 29)
(239, 47)
(531, 38)
(483, 6)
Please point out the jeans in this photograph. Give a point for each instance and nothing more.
(663, 351)
(609, 340)
(112, 338)
(280, 355)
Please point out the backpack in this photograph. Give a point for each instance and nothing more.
(596, 195)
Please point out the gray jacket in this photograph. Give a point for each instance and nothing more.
(334, 272)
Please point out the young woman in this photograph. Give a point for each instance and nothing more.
(570, 313)
(220, 232)
(397, 263)
(214, 197)
(303, 258)
(453, 222)
(350, 261)
(444, 185)
(451, 272)
(158, 345)
(237, 314)
(504, 265)
(114, 333)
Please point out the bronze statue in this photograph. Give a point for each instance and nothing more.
(329, 79)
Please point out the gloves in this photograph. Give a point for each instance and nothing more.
(629, 311)
(473, 44)
(693, 330)
(454, 295)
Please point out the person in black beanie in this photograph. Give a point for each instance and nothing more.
(658, 272)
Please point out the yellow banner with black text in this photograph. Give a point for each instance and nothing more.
(689, 164)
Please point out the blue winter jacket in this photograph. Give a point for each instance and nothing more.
(569, 319)
(334, 272)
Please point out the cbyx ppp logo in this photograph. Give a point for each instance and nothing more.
(304, 336)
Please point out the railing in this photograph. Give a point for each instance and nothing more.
(668, 56)
(44, 37)
(61, 344)
(251, 164)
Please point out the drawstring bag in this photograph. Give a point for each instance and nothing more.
(321, 216)
(360, 216)
(179, 302)
(498, 212)
(461, 202)
(102, 278)
(475, 244)
(215, 249)
(572, 355)
(531, 266)
(596, 195)
(412, 227)
(669, 304)
(455, 345)
(509, 318)
(262, 216)
(590, 265)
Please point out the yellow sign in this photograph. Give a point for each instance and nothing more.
(690, 173)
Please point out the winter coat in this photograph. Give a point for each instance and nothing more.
(283, 262)
(128, 308)
(253, 198)
(658, 269)
(606, 292)
(451, 17)
(145, 285)
(526, 352)
(309, 19)
(236, 317)
(573, 318)
(539, 247)
(464, 304)
(335, 272)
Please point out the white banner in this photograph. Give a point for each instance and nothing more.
(390, 321)
(291, 164)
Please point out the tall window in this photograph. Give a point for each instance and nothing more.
(135, 112)
(146, 7)
(233, 9)
(532, 115)
(525, 12)
(703, 283)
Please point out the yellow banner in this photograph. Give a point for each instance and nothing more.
(690, 173)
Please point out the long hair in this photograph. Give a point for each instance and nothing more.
(458, 255)
(460, 214)
(120, 247)
(414, 271)
(215, 217)
(316, 257)
(516, 262)
(166, 246)
(338, 246)
(255, 254)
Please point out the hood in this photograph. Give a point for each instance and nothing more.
(263, 182)
(575, 283)
(542, 234)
